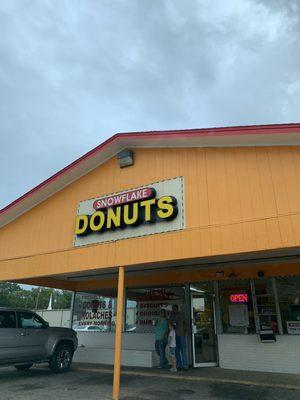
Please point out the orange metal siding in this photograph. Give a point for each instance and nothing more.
(237, 200)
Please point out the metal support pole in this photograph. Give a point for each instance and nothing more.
(254, 302)
(118, 338)
(217, 308)
(187, 300)
(275, 292)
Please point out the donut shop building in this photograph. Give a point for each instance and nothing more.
(208, 219)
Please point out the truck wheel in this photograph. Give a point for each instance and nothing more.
(62, 358)
(23, 367)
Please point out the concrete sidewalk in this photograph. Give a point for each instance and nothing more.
(94, 382)
(210, 375)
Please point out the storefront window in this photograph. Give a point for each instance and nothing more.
(266, 304)
(236, 307)
(94, 312)
(131, 316)
(143, 306)
(245, 306)
(288, 289)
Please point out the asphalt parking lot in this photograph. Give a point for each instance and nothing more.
(96, 383)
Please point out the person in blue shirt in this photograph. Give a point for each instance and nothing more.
(161, 338)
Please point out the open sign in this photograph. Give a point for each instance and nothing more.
(238, 298)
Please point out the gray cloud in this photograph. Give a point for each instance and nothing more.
(74, 72)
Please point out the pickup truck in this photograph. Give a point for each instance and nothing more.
(26, 339)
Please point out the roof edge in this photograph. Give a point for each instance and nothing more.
(202, 132)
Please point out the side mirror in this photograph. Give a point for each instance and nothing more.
(46, 325)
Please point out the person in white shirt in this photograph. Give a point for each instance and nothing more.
(172, 346)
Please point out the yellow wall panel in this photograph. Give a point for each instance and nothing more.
(265, 182)
(280, 179)
(274, 234)
(260, 228)
(237, 235)
(237, 200)
(286, 231)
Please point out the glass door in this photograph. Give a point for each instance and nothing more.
(204, 340)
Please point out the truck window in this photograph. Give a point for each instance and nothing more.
(30, 321)
(7, 319)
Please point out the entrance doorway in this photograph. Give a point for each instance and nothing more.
(204, 340)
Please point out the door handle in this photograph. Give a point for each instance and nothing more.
(24, 334)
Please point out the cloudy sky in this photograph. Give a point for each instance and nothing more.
(74, 72)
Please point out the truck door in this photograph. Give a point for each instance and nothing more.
(10, 341)
(34, 333)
